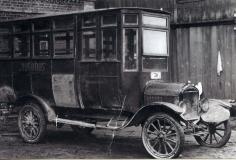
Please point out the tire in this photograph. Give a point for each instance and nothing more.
(32, 123)
(217, 135)
(158, 133)
(81, 130)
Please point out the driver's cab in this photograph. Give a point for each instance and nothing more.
(122, 49)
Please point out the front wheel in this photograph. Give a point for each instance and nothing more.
(215, 135)
(32, 123)
(162, 136)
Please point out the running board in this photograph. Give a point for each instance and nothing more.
(88, 125)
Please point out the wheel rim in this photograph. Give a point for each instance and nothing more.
(30, 123)
(161, 137)
(214, 132)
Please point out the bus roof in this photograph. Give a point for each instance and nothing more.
(89, 11)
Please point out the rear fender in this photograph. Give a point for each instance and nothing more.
(143, 113)
(49, 112)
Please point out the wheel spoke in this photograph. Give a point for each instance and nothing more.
(215, 138)
(171, 140)
(166, 152)
(154, 127)
(220, 129)
(154, 145)
(210, 138)
(158, 122)
(205, 139)
(171, 134)
(169, 129)
(218, 134)
(219, 124)
(164, 124)
(159, 147)
(169, 145)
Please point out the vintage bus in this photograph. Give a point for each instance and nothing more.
(101, 69)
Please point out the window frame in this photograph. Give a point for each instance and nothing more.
(167, 41)
(157, 16)
(159, 28)
(10, 42)
(50, 44)
(137, 49)
(116, 44)
(130, 24)
(13, 45)
(96, 48)
(64, 30)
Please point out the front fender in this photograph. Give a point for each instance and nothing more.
(218, 111)
(144, 112)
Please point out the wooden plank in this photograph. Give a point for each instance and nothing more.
(233, 65)
(213, 69)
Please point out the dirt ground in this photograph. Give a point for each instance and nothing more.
(63, 143)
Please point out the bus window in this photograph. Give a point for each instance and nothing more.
(130, 19)
(63, 43)
(89, 21)
(109, 20)
(41, 44)
(155, 42)
(64, 23)
(42, 25)
(154, 21)
(109, 44)
(21, 45)
(89, 45)
(4, 42)
(130, 49)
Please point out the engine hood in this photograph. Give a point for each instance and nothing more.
(166, 89)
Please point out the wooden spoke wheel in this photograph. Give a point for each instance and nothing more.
(31, 123)
(215, 134)
(162, 136)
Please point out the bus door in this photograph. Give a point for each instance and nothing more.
(99, 65)
(63, 63)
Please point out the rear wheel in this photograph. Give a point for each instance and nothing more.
(32, 123)
(215, 135)
(162, 136)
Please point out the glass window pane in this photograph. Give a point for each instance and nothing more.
(21, 45)
(89, 21)
(64, 23)
(155, 64)
(109, 20)
(41, 44)
(4, 30)
(109, 44)
(89, 45)
(131, 49)
(155, 42)
(23, 27)
(155, 21)
(131, 19)
(63, 43)
(4, 45)
(42, 25)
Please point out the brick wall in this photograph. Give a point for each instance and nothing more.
(10, 9)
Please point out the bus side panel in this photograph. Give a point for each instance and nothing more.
(5, 73)
(41, 80)
(63, 83)
(21, 78)
(99, 85)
